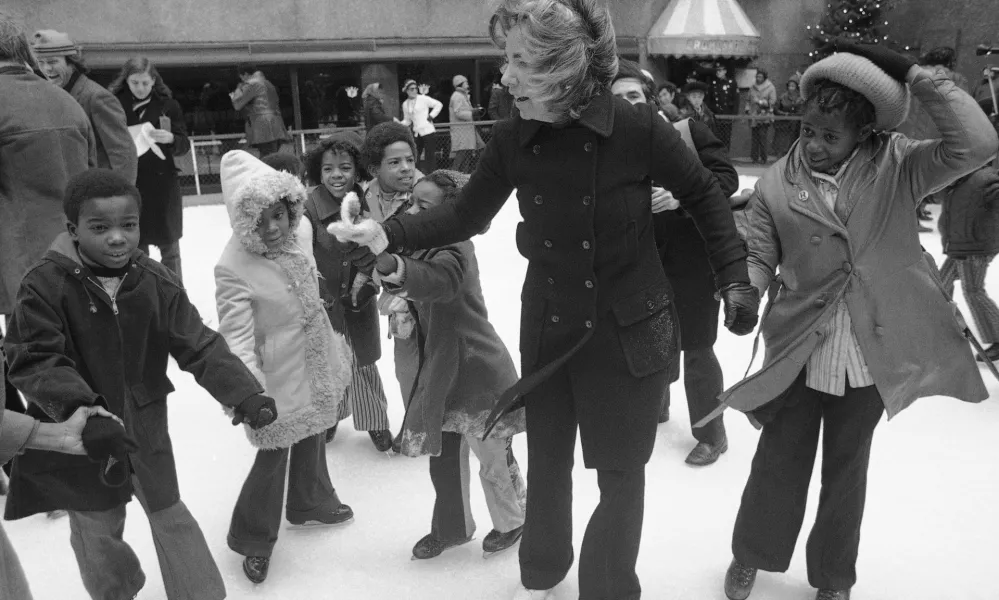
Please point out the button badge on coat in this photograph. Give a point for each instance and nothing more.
(803, 196)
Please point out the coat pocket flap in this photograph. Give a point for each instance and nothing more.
(148, 393)
(642, 305)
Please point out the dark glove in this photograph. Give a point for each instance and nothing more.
(256, 411)
(105, 438)
(894, 64)
(742, 306)
(360, 256)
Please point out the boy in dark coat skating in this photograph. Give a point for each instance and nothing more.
(95, 322)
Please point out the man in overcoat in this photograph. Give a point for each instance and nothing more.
(62, 63)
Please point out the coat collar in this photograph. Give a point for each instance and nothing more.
(598, 117)
(327, 206)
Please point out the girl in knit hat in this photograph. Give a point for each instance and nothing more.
(271, 315)
(858, 325)
(454, 382)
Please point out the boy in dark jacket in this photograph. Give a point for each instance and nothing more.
(969, 230)
(95, 322)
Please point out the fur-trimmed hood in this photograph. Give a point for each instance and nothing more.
(248, 187)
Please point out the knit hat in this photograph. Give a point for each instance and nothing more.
(458, 80)
(408, 83)
(889, 97)
(350, 137)
(248, 187)
(49, 42)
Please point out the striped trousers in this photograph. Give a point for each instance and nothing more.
(365, 399)
(971, 271)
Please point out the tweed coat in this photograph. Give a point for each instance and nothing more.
(585, 196)
(904, 324)
(463, 134)
(115, 148)
(45, 139)
(71, 345)
(162, 203)
(270, 310)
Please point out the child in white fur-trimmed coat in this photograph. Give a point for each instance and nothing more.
(270, 313)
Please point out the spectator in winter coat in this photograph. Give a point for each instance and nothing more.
(374, 105)
(685, 262)
(257, 98)
(667, 95)
(465, 140)
(693, 106)
(334, 168)
(19, 433)
(596, 324)
(762, 100)
(147, 99)
(859, 326)
(62, 63)
(790, 104)
(501, 104)
(95, 325)
(460, 371)
(969, 230)
(723, 99)
(271, 315)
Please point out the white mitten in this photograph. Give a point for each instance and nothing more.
(401, 325)
(353, 228)
(390, 303)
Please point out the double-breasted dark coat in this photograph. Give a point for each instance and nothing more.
(594, 272)
(162, 218)
(359, 325)
(71, 345)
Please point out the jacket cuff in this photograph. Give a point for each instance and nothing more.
(734, 272)
(15, 431)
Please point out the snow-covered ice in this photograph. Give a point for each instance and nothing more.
(931, 529)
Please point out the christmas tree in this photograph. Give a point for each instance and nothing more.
(857, 20)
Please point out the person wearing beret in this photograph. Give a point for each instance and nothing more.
(598, 331)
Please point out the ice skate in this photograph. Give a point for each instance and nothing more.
(739, 580)
(341, 515)
(832, 595)
(497, 542)
(255, 568)
(382, 439)
(431, 547)
(525, 594)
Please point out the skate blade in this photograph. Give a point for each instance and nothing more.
(56, 514)
(317, 525)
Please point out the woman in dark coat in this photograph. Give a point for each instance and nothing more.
(146, 99)
(597, 328)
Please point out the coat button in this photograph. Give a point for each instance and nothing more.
(551, 281)
(815, 240)
(587, 200)
(588, 146)
(554, 318)
(343, 264)
(589, 284)
(589, 324)
(538, 200)
(847, 267)
(537, 149)
(343, 286)
(548, 243)
(879, 330)
(820, 303)
(650, 304)
(586, 245)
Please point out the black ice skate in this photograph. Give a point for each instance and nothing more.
(739, 580)
(832, 595)
(431, 547)
(255, 568)
(382, 439)
(331, 433)
(498, 542)
(340, 515)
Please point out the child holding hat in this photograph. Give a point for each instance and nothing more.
(859, 325)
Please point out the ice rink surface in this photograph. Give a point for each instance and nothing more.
(931, 528)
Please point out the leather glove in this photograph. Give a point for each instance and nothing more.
(742, 307)
(256, 411)
(360, 256)
(894, 64)
(105, 438)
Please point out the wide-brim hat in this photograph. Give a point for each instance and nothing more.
(49, 42)
(889, 96)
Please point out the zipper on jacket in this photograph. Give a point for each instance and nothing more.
(113, 297)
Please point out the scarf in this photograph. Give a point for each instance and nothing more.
(139, 106)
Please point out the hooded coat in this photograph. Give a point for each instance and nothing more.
(270, 310)
(904, 324)
(72, 345)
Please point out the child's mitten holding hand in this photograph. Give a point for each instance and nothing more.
(401, 322)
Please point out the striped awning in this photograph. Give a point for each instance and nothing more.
(704, 28)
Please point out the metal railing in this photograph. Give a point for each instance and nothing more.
(199, 169)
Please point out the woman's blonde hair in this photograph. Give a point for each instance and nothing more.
(573, 45)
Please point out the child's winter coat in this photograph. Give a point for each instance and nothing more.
(462, 365)
(904, 325)
(270, 311)
(969, 216)
(70, 344)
